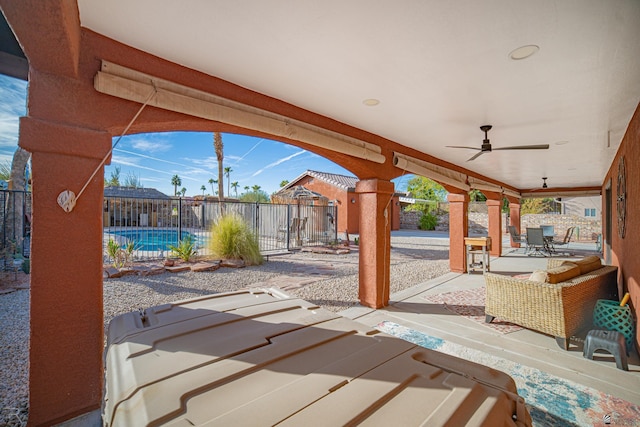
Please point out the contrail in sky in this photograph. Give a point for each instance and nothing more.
(159, 160)
(277, 162)
(245, 154)
(123, 162)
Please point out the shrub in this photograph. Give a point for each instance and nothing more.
(428, 221)
(26, 266)
(185, 249)
(231, 238)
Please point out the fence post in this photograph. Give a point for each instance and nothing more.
(335, 224)
(179, 219)
(256, 226)
(288, 237)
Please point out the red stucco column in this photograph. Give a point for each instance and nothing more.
(458, 230)
(375, 241)
(514, 219)
(494, 207)
(65, 370)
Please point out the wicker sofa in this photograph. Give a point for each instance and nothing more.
(558, 301)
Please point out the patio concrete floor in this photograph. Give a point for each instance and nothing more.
(526, 347)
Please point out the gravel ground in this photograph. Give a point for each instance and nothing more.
(330, 281)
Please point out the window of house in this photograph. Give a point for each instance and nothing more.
(590, 212)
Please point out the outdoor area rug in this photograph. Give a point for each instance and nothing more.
(470, 304)
(552, 401)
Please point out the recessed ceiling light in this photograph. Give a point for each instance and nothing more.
(561, 142)
(371, 102)
(524, 52)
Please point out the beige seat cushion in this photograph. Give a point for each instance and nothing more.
(586, 264)
(566, 271)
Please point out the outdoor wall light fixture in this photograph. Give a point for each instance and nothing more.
(353, 200)
(544, 182)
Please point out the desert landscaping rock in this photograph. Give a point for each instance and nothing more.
(205, 266)
(178, 268)
(233, 263)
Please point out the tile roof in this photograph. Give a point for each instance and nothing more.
(134, 193)
(344, 182)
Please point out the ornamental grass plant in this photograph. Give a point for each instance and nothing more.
(231, 238)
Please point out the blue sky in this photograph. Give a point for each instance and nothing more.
(155, 158)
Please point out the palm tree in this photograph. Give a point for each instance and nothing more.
(255, 188)
(203, 188)
(235, 186)
(183, 191)
(283, 183)
(246, 188)
(227, 172)
(211, 181)
(218, 146)
(175, 181)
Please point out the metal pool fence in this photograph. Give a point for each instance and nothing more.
(154, 224)
(15, 219)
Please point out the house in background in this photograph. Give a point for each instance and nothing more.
(341, 192)
(129, 206)
(587, 207)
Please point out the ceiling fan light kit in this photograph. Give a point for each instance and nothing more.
(486, 145)
(544, 182)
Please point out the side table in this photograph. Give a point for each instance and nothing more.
(478, 246)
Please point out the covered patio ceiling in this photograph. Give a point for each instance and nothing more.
(436, 70)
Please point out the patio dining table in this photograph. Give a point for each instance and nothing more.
(548, 234)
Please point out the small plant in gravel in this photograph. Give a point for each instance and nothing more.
(231, 238)
(114, 252)
(185, 249)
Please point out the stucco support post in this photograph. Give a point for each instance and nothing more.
(65, 370)
(458, 230)
(494, 207)
(514, 220)
(375, 241)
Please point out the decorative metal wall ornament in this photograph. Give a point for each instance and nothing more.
(621, 192)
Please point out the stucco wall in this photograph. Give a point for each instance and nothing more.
(588, 229)
(624, 251)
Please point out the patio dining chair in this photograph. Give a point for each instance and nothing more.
(566, 240)
(535, 242)
(518, 238)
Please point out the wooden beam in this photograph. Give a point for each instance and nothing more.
(134, 86)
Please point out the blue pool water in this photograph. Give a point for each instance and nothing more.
(153, 240)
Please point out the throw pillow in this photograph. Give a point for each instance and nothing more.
(588, 263)
(538, 276)
(563, 273)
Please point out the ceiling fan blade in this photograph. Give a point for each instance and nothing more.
(460, 146)
(525, 147)
(476, 156)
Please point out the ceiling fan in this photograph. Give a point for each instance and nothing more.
(486, 145)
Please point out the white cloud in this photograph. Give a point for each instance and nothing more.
(205, 164)
(150, 142)
(124, 160)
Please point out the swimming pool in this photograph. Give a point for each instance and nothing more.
(152, 239)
